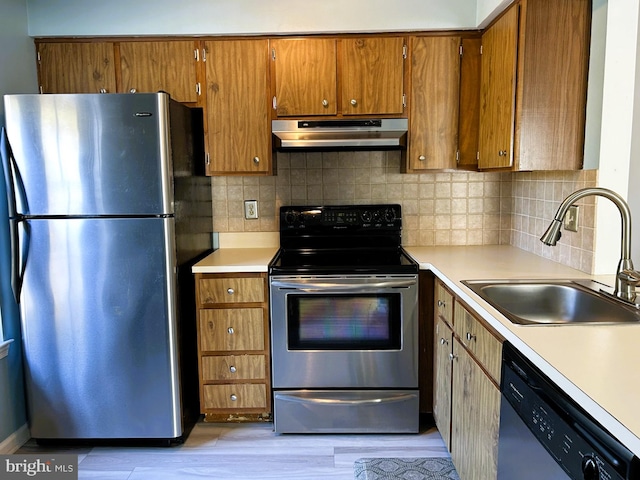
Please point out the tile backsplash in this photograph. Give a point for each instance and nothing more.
(444, 208)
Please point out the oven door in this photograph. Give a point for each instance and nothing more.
(346, 331)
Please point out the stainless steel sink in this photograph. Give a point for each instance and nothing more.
(550, 302)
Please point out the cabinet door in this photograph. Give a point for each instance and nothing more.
(372, 75)
(442, 380)
(475, 419)
(153, 66)
(553, 64)
(435, 82)
(85, 67)
(469, 117)
(497, 91)
(305, 76)
(238, 126)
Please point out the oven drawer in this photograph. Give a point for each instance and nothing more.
(236, 396)
(232, 290)
(223, 329)
(234, 367)
(346, 411)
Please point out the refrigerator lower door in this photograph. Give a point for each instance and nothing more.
(99, 327)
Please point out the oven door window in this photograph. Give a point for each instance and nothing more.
(344, 322)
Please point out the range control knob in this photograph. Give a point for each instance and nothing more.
(377, 216)
(366, 216)
(389, 215)
(290, 217)
(590, 469)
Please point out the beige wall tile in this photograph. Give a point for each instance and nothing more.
(439, 208)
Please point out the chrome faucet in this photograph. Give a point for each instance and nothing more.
(626, 277)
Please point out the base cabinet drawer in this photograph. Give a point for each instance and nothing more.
(235, 396)
(232, 329)
(234, 367)
(231, 290)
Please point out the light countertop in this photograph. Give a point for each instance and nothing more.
(596, 365)
(233, 260)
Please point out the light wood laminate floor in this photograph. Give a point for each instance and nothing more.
(246, 452)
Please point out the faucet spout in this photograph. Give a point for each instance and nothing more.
(625, 288)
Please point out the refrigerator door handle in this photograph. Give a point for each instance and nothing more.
(18, 255)
(17, 266)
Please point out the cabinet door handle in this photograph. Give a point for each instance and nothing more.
(444, 341)
(502, 153)
(452, 356)
(256, 160)
(132, 90)
(441, 303)
(230, 331)
(470, 336)
(422, 158)
(325, 103)
(354, 102)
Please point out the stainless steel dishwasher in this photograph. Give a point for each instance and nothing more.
(544, 434)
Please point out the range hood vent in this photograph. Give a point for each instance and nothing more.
(331, 134)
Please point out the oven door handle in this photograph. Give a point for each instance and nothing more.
(344, 401)
(326, 286)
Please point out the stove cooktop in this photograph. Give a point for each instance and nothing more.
(350, 261)
(341, 239)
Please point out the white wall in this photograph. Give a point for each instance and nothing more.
(619, 135)
(196, 17)
(17, 55)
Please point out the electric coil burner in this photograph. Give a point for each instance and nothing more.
(344, 322)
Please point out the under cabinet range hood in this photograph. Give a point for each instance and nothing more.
(331, 134)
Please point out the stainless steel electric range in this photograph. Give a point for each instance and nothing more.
(344, 322)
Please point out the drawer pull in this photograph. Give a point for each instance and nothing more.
(470, 337)
(230, 331)
(233, 397)
(233, 369)
(230, 291)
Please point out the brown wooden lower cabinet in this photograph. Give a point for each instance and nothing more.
(467, 356)
(233, 347)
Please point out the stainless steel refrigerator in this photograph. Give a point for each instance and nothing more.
(108, 211)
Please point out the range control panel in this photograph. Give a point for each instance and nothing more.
(340, 217)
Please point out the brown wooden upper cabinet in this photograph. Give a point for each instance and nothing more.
(534, 84)
(76, 67)
(153, 66)
(305, 76)
(238, 128)
(434, 94)
(338, 76)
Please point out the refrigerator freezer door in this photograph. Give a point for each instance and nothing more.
(99, 327)
(93, 154)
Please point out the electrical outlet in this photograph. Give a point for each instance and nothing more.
(250, 209)
(571, 219)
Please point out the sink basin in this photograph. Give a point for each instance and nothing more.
(551, 302)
